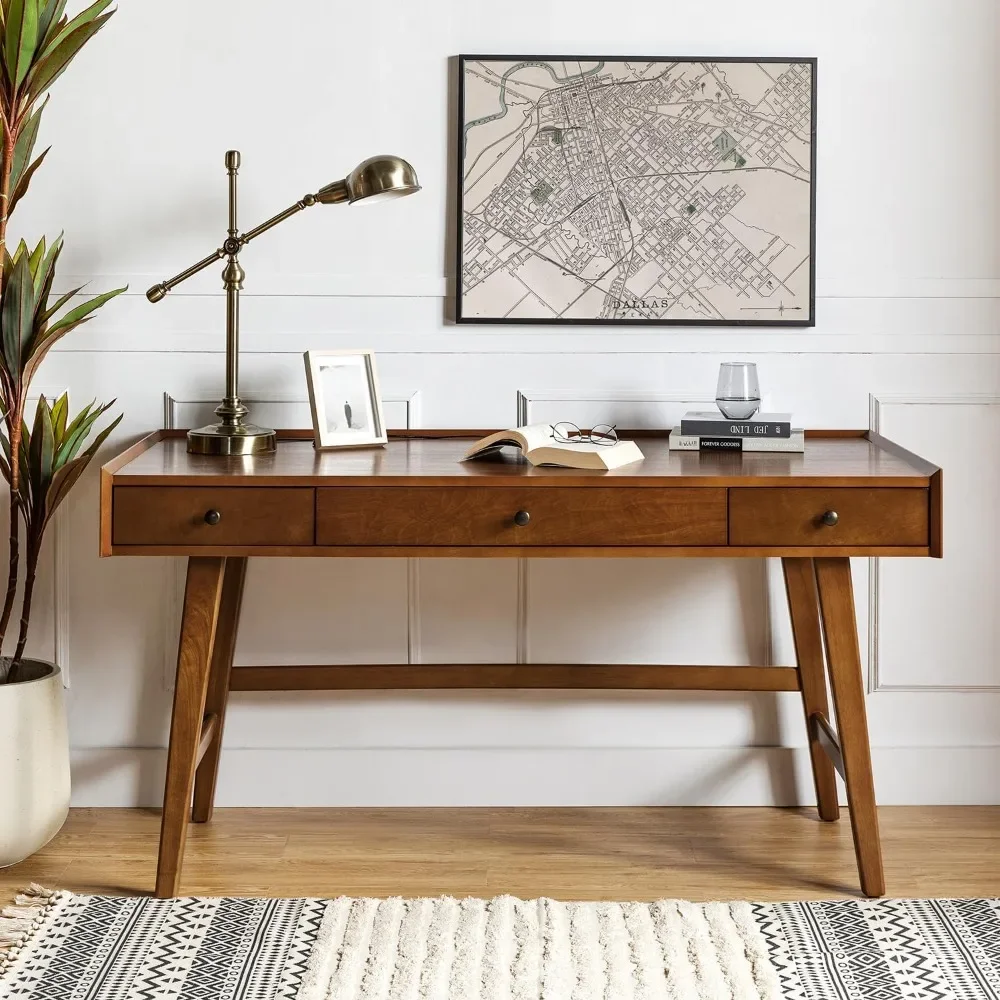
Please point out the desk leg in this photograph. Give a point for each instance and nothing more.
(218, 686)
(803, 606)
(202, 597)
(836, 597)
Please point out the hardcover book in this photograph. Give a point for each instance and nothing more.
(711, 422)
(679, 441)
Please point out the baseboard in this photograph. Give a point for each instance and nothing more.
(123, 776)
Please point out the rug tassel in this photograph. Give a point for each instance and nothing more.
(20, 921)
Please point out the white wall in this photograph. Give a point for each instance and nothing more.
(908, 289)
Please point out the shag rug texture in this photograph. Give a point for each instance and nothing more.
(60, 946)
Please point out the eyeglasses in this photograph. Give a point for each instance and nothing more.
(568, 433)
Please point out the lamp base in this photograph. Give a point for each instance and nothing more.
(221, 439)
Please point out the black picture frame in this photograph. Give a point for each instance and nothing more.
(462, 318)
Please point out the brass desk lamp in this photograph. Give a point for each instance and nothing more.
(380, 176)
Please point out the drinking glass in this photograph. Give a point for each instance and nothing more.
(738, 392)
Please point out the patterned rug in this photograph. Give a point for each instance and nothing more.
(59, 946)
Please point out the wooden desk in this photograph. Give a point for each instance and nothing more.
(850, 494)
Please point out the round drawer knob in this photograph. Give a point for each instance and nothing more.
(521, 518)
(830, 518)
(212, 517)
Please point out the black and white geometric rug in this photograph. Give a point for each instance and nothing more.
(59, 946)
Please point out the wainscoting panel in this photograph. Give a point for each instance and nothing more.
(908, 310)
(959, 594)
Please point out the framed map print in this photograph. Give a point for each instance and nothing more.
(636, 191)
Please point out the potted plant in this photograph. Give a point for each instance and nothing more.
(40, 462)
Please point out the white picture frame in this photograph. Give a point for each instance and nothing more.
(345, 399)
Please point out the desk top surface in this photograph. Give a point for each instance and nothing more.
(834, 458)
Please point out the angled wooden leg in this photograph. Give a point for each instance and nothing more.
(202, 597)
(836, 598)
(803, 606)
(218, 687)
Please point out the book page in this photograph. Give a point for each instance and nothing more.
(536, 436)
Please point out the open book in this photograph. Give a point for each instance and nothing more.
(540, 448)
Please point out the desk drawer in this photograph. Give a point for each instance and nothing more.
(180, 515)
(771, 516)
(568, 515)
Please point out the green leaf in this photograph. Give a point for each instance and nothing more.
(85, 309)
(17, 313)
(26, 143)
(60, 302)
(60, 411)
(35, 259)
(23, 181)
(20, 39)
(48, 17)
(64, 478)
(60, 53)
(41, 454)
(78, 432)
(43, 281)
(83, 18)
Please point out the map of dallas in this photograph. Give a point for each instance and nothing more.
(627, 190)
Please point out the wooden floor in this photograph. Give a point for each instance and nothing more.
(643, 854)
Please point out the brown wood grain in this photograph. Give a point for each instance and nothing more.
(391, 515)
(217, 698)
(767, 516)
(555, 676)
(202, 595)
(642, 853)
(175, 515)
(436, 461)
(836, 596)
(108, 471)
(803, 607)
(523, 551)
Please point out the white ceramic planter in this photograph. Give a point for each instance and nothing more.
(34, 761)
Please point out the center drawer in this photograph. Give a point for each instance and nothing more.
(470, 515)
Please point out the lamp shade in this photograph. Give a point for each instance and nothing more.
(376, 177)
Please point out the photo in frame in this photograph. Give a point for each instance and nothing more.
(345, 399)
(636, 190)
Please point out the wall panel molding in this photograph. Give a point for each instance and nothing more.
(428, 286)
(562, 777)
(877, 404)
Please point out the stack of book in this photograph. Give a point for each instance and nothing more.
(711, 431)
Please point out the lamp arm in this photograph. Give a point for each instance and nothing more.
(230, 247)
(157, 292)
(305, 202)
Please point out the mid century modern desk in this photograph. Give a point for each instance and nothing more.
(850, 494)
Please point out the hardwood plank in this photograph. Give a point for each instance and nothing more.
(217, 697)
(836, 597)
(803, 607)
(613, 853)
(585, 676)
(202, 596)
